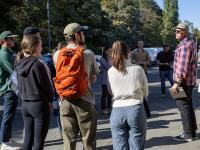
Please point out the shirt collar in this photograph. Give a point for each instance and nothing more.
(6, 49)
(182, 42)
(71, 46)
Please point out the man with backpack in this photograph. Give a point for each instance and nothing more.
(77, 102)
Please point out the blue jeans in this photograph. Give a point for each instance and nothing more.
(163, 76)
(10, 106)
(57, 115)
(128, 127)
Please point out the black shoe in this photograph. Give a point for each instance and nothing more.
(182, 138)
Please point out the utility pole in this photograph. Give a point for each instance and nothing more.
(49, 29)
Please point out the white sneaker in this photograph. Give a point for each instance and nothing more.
(10, 146)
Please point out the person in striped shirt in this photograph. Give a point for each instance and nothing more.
(185, 75)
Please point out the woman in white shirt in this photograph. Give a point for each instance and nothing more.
(128, 84)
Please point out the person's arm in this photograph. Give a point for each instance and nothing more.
(103, 65)
(94, 65)
(162, 64)
(182, 65)
(7, 61)
(148, 60)
(44, 81)
(184, 61)
(144, 82)
(158, 61)
(108, 86)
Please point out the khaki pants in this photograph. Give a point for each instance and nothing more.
(78, 115)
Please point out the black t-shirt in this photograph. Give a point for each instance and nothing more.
(164, 57)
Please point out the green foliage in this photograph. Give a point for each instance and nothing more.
(108, 20)
(170, 21)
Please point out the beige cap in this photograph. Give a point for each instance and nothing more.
(73, 28)
(182, 26)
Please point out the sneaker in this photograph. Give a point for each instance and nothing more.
(105, 112)
(10, 146)
(181, 138)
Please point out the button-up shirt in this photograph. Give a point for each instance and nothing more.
(185, 61)
(140, 56)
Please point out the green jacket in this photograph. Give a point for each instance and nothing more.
(7, 60)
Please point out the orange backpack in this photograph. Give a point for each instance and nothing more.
(71, 78)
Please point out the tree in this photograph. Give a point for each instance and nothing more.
(151, 22)
(170, 21)
(135, 20)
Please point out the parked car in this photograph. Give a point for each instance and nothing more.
(153, 51)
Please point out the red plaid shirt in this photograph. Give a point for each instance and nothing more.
(185, 61)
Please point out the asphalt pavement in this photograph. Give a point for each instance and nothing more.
(162, 126)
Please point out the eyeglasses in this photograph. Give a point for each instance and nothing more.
(178, 31)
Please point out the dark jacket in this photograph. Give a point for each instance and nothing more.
(7, 60)
(33, 80)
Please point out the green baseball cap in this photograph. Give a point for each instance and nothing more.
(6, 34)
(73, 28)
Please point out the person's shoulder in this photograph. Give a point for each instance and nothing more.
(135, 50)
(88, 52)
(111, 70)
(39, 62)
(160, 53)
(145, 51)
(136, 67)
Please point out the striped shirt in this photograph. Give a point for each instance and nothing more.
(185, 61)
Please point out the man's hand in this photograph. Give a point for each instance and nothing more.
(166, 64)
(175, 88)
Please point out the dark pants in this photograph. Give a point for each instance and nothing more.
(106, 98)
(187, 112)
(10, 106)
(163, 76)
(146, 108)
(36, 116)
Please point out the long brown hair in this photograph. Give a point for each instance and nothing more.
(119, 55)
(28, 45)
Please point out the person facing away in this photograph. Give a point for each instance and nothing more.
(185, 75)
(105, 64)
(35, 91)
(7, 59)
(78, 114)
(128, 84)
(164, 60)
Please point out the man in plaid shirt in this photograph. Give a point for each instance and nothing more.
(185, 75)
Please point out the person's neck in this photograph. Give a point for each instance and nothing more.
(6, 46)
(140, 49)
